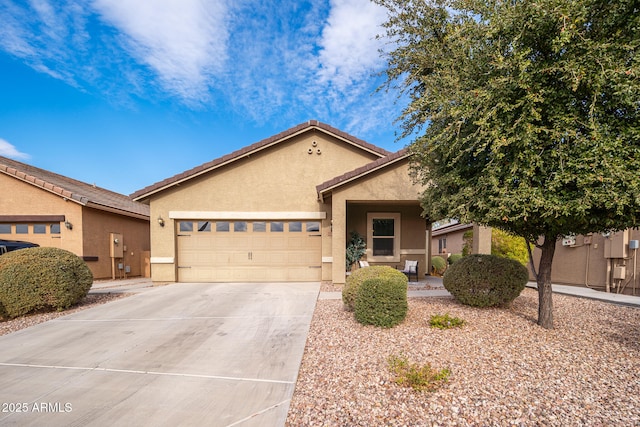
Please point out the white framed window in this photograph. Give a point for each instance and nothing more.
(442, 245)
(383, 237)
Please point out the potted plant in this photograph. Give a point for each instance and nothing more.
(356, 248)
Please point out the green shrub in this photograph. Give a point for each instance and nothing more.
(503, 244)
(453, 258)
(444, 321)
(382, 302)
(507, 245)
(420, 378)
(37, 279)
(355, 280)
(439, 265)
(485, 280)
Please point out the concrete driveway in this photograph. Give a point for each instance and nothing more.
(182, 354)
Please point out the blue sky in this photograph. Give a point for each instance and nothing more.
(126, 93)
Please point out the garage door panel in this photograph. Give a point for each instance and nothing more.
(249, 256)
(277, 243)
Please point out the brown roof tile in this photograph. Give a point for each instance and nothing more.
(78, 191)
(303, 127)
(362, 170)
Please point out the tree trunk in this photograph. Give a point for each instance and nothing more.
(545, 302)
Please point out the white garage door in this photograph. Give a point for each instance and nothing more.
(249, 251)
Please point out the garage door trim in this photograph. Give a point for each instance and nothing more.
(239, 215)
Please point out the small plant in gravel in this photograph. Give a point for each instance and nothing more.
(419, 378)
(444, 321)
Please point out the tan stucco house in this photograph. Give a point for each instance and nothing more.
(449, 239)
(52, 210)
(282, 209)
(605, 262)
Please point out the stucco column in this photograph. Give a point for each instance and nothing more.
(427, 252)
(339, 240)
(481, 240)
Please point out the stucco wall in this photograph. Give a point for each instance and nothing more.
(97, 228)
(391, 186)
(584, 263)
(19, 198)
(455, 241)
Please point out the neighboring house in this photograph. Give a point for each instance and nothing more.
(604, 262)
(282, 209)
(51, 210)
(449, 239)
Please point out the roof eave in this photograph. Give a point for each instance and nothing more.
(122, 212)
(237, 155)
(323, 191)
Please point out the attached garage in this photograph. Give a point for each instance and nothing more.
(282, 209)
(249, 251)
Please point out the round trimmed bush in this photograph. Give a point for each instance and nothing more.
(453, 258)
(36, 279)
(439, 265)
(485, 280)
(355, 280)
(381, 302)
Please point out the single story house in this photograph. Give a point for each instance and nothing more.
(449, 239)
(282, 209)
(108, 230)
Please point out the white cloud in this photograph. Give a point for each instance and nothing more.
(183, 41)
(8, 150)
(301, 60)
(350, 50)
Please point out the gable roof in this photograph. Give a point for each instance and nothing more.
(253, 148)
(328, 186)
(76, 191)
(450, 228)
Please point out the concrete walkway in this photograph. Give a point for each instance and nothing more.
(582, 292)
(187, 354)
(576, 291)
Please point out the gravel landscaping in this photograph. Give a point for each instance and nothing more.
(505, 370)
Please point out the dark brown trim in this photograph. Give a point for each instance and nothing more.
(90, 258)
(32, 218)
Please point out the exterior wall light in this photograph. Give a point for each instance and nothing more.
(68, 225)
(161, 221)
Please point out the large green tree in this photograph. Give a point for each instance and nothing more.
(524, 114)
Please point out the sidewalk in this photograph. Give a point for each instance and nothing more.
(583, 292)
(141, 284)
(134, 285)
(414, 289)
(576, 291)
